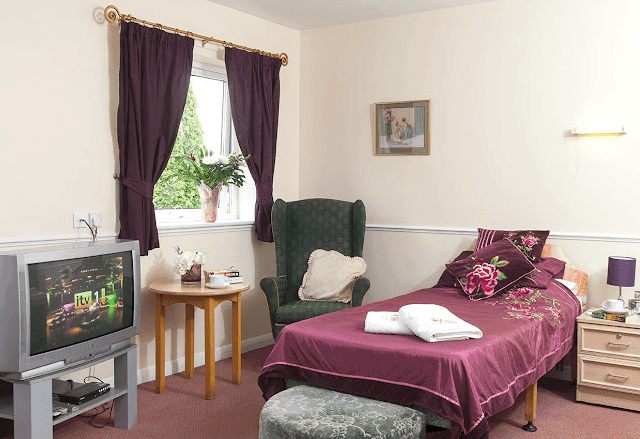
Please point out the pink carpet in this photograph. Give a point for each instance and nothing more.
(182, 412)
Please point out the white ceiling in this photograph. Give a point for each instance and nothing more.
(315, 14)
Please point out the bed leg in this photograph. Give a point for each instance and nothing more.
(530, 407)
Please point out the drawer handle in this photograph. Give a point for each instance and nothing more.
(618, 345)
(617, 377)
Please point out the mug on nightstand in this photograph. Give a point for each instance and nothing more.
(613, 305)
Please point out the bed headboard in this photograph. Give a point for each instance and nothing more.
(571, 272)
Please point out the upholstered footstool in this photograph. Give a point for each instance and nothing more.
(304, 412)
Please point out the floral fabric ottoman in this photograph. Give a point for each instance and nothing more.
(304, 412)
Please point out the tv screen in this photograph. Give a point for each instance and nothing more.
(75, 300)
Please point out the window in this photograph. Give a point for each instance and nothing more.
(206, 121)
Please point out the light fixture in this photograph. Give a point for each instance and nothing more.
(621, 272)
(598, 131)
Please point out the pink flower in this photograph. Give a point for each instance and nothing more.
(485, 275)
(192, 158)
(529, 240)
(519, 307)
(519, 292)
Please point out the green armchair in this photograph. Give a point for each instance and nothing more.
(299, 228)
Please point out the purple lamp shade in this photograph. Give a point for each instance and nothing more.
(622, 271)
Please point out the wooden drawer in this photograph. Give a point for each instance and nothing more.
(609, 373)
(609, 340)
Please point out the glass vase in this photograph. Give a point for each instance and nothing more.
(209, 202)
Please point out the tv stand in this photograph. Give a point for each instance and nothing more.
(31, 399)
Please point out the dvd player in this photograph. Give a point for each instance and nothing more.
(81, 393)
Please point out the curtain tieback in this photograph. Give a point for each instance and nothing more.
(142, 188)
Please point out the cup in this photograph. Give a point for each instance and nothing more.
(613, 305)
(218, 280)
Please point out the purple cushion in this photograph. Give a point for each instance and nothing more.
(545, 270)
(530, 242)
(490, 270)
(446, 279)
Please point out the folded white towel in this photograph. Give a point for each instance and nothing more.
(436, 323)
(385, 322)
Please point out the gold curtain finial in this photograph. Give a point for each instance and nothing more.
(112, 15)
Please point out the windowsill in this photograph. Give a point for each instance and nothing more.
(199, 226)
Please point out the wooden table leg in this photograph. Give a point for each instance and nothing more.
(188, 342)
(236, 350)
(209, 350)
(159, 344)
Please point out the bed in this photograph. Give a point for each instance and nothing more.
(526, 332)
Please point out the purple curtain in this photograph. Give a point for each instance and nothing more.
(254, 90)
(155, 69)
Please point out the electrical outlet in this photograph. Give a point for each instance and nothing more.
(95, 219)
(77, 219)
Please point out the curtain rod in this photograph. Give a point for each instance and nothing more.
(112, 15)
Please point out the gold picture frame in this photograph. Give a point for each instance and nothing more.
(402, 128)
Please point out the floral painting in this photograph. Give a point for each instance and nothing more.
(402, 128)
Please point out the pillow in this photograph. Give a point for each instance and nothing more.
(491, 269)
(328, 276)
(545, 270)
(530, 242)
(446, 279)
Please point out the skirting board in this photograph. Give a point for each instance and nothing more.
(175, 366)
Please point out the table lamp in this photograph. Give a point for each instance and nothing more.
(622, 272)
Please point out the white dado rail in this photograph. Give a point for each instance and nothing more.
(606, 237)
(238, 226)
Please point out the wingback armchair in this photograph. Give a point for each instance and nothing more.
(299, 228)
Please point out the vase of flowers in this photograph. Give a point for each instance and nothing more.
(189, 266)
(209, 201)
(210, 172)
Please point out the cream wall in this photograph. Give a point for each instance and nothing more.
(507, 80)
(59, 88)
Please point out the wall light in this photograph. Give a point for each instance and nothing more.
(598, 131)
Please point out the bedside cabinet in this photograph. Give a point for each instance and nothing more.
(609, 362)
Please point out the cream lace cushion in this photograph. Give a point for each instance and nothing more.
(328, 276)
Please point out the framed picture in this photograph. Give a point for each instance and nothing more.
(634, 306)
(402, 128)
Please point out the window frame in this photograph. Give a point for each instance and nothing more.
(171, 219)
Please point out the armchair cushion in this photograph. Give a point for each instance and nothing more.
(329, 276)
(301, 310)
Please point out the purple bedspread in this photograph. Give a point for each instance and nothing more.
(525, 333)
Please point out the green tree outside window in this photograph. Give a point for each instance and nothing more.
(171, 191)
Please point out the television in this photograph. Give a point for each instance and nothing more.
(66, 304)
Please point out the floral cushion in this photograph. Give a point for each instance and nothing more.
(304, 412)
(446, 279)
(488, 271)
(530, 242)
(545, 270)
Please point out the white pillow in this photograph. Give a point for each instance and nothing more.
(328, 276)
